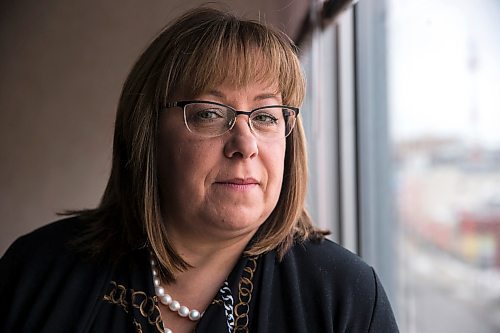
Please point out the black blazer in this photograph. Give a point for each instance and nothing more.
(46, 286)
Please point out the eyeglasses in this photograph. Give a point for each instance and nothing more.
(210, 119)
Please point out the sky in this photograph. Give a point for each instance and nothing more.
(444, 69)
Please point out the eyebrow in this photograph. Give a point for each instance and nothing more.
(266, 96)
(259, 97)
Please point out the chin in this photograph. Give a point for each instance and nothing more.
(240, 223)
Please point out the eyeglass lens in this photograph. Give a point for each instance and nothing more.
(211, 120)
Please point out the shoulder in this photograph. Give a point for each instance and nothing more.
(45, 242)
(327, 259)
(326, 268)
(40, 252)
(323, 250)
(53, 233)
(344, 290)
(43, 275)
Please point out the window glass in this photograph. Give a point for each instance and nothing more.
(443, 94)
(427, 178)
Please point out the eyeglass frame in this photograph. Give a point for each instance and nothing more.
(182, 104)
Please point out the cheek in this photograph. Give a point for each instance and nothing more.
(170, 154)
(275, 159)
(184, 166)
(175, 162)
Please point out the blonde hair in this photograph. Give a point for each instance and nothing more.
(200, 50)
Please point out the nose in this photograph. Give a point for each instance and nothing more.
(242, 142)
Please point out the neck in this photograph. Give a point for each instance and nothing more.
(211, 263)
(201, 251)
(206, 247)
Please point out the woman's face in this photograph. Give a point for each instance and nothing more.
(224, 186)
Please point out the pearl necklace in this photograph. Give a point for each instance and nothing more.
(173, 305)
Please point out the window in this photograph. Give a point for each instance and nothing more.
(444, 109)
(403, 122)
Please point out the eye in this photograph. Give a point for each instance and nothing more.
(209, 114)
(265, 119)
(205, 113)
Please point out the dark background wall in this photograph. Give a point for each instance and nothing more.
(62, 64)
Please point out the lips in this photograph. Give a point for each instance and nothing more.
(238, 184)
(239, 181)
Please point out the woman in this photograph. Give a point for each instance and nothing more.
(202, 226)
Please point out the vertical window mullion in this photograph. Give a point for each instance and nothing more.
(347, 132)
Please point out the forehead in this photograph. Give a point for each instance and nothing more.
(228, 91)
(252, 90)
(235, 68)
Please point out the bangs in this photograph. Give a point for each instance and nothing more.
(238, 53)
